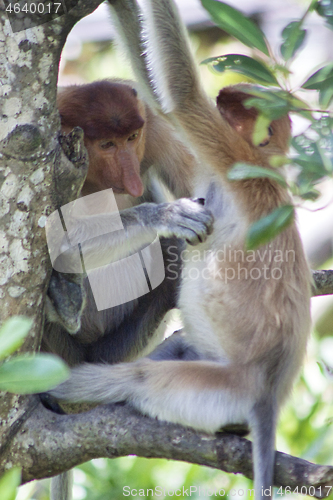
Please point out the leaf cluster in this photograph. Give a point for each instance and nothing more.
(24, 374)
(273, 98)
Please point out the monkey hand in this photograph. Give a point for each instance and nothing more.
(184, 218)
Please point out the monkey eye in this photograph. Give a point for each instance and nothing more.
(106, 145)
(133, 136)
(270, 131)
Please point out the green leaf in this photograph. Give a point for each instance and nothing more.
(277, 161)
(311, 173)
(272, 109)
(260, 131)
(324, 127)
(12, 333)
(312, 195)
(243, 171)
(242, 64)
(326, 96)
(315, 161)
(271, 104)
(281, 68)
(325, 9)
(236, 24)
(9, 483)
(265, 229)
(321, 79)
(32, 374)
(293, 37)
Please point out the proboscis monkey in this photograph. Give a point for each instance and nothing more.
(124, 139)
(245, 313)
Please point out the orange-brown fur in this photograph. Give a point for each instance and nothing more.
(113, 121)
(256, 326)
(245, 338)
(111, 114)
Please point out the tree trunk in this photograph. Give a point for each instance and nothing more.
(37, 175)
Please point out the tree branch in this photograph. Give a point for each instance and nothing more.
(323, 283)
(58, 442)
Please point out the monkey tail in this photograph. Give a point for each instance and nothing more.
(61, 486)
(262, 420)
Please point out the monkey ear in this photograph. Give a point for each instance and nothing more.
(230, 105)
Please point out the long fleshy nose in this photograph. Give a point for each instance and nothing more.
(131, 179)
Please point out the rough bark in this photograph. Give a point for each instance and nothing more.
(48, 444)
(37, 175)
(323, 283)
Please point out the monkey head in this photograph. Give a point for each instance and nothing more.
(230, 103)
(113, 120)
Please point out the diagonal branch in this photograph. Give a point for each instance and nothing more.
(49, 444)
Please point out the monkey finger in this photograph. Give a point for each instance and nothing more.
(199, 215)
(194, 238)
(202, 222)
(201, 201)
(193, 243)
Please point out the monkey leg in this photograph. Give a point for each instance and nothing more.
(204, 395)
(176, 347)
(200, 394)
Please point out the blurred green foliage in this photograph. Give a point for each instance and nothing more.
(26, 373)
(23, 374)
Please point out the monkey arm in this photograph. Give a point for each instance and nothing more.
(170, 81)
(122, 340)
(66, 296)
(177, 88)
(126, 16)
(182, 218)
(174, 165)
